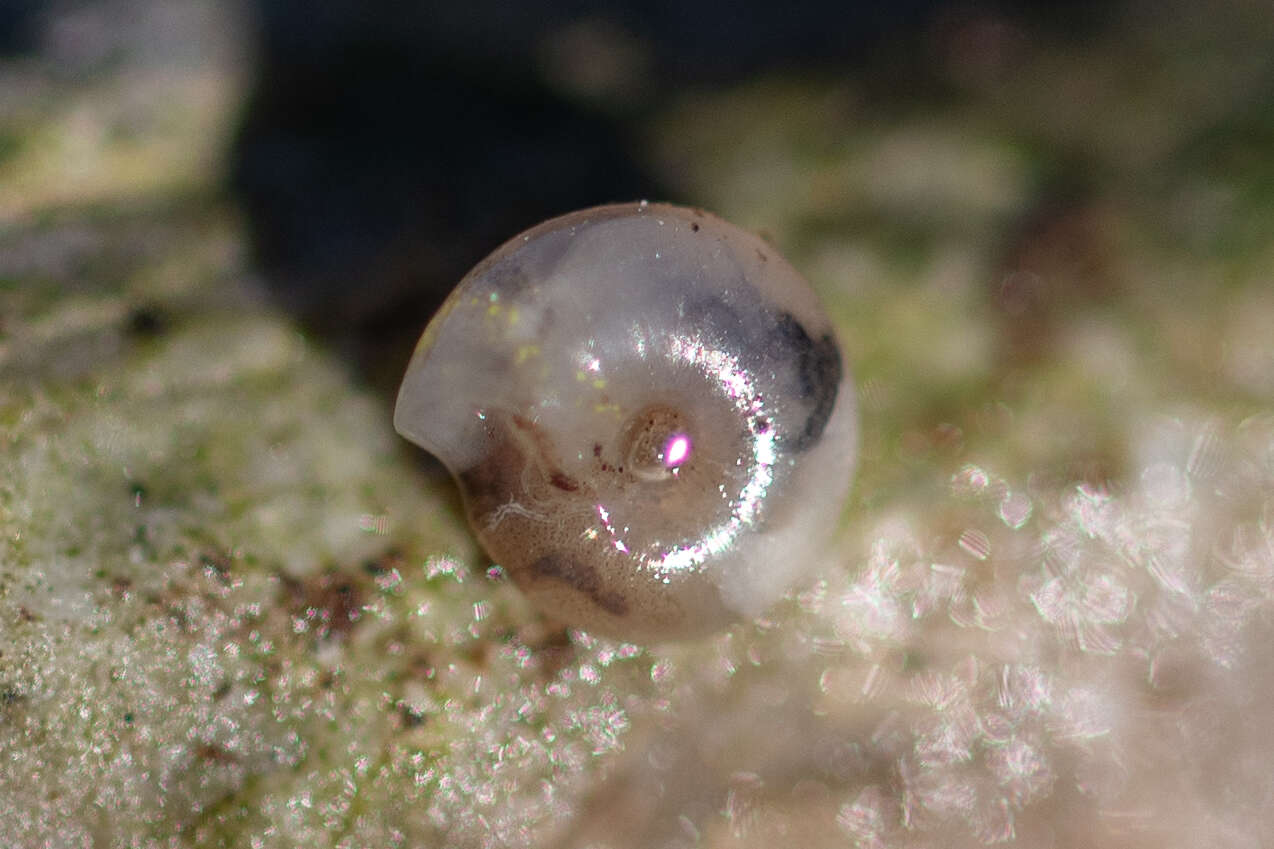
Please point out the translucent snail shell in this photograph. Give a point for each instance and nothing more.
(648, 415)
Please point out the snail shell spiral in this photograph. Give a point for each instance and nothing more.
(648, 415)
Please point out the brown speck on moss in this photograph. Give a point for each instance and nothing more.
(421, 666)
(331, 604)
(385, 563)
(412, 716)
(1058, 262)
(121, 588)
(210, 753)
(216, 562)
(477, 654)
(146, 322)
(551, 645)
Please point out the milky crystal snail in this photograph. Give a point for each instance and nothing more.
(647, 413)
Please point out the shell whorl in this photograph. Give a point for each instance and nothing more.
(648, 415)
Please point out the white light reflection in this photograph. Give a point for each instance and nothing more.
(618, 543)
(724, 369)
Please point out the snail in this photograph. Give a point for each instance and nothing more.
(648, 415)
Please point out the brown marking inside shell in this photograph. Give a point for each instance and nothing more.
(563, 481)
(582, 577)
(487, 484)
(545, 451)
(518, 510)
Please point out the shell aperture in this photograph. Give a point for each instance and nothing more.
(648, 415)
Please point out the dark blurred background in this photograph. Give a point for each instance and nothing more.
(384, 148)
(387, 147)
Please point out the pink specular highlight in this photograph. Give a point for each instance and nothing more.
(676, 450)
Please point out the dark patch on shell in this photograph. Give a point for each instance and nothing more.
(486, 484)
(718, 320)
(511, 439)
(582, 577)
(818, 374)
(508, 279)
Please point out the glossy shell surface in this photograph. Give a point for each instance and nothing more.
(648, 414)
